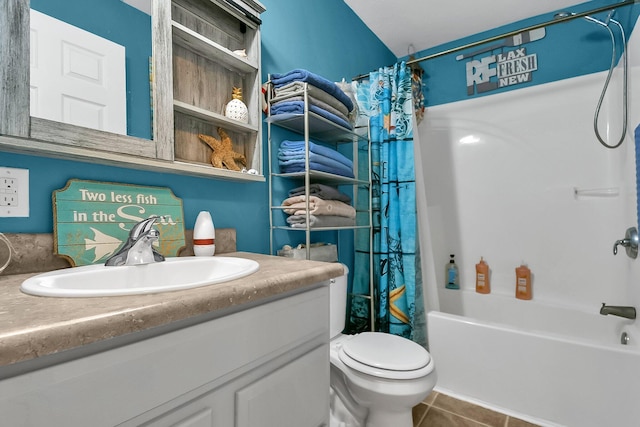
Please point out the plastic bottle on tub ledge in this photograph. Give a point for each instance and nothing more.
(204, 235)
(523, 282)
(482, 277)
(452, 276)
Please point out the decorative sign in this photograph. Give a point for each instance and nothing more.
(505, 69)
(92, 219)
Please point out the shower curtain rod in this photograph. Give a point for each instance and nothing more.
(515, 32)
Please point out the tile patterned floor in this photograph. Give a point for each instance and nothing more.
(440, 410)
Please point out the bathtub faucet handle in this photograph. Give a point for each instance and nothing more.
(630, 242)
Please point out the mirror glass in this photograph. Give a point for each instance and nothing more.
(99, 80)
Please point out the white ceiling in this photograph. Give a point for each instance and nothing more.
(408, 26)
(143, 5)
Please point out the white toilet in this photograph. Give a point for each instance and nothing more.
(376, 378)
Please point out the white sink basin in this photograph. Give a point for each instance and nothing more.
(170, 275)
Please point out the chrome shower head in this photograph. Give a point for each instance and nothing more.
(561, 15)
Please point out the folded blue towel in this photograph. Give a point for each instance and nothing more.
(297, 107)
(316, 159)
(295, 150)
(336, 170)
(299, 74)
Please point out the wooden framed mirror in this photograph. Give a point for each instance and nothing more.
(21, 132)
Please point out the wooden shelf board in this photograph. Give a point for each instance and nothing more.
(209, 49)
(212, 117)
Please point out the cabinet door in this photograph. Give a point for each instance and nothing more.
(210, 410)
(201, 418)
(187, 377)
(296, 395)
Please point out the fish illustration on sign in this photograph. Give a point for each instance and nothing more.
(103, 244)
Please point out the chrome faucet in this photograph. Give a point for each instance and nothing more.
(627, 312)
(138, 249)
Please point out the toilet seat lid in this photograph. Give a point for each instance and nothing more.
(388, 355)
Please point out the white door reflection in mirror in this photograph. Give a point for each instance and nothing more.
(76, 77)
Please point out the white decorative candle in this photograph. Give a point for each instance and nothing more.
(204, 235)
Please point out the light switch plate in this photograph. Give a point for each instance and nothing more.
(14, 192)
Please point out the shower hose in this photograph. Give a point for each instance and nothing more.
(606, 85)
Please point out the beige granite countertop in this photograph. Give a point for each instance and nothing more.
(32, 326)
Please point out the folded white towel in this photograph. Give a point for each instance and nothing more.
(297, 205)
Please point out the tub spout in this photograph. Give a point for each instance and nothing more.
(627, 312)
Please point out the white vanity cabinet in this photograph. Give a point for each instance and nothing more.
(267, 365)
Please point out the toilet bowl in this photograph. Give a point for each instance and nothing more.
(376, 378)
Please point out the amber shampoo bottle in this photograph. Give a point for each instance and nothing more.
(523, 282)
(482, 277)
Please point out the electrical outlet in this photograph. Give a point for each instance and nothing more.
(14, 192)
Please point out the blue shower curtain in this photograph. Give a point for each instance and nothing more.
(386, 100)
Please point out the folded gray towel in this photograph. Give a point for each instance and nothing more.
(286, 91)
(323, 191)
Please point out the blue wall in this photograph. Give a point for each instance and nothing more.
(568, 49)
(325, 37)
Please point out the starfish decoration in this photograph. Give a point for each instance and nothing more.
(223, 155)
(395, 310)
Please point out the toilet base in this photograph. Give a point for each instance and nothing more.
(344, 412)
(386, 419)
(341, 417)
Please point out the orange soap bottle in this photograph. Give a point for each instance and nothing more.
(482, 277)
(523, 282)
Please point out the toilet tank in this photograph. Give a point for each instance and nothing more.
(338, 303)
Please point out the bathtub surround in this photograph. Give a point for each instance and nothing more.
(527, 167)
(529, 206)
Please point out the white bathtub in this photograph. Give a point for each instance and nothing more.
(551, 365)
